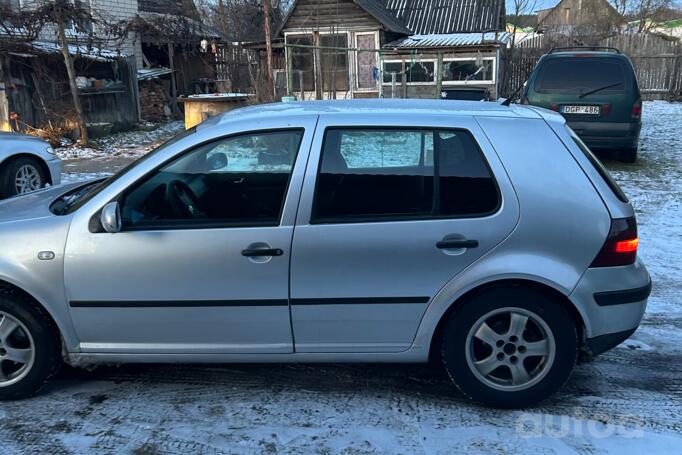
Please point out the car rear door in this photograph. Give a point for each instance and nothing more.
(388, 215)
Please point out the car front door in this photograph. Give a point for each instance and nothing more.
(388, 216)
(201, 264)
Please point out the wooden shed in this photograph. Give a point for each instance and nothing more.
(391, 48)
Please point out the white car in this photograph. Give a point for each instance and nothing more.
(27, 163)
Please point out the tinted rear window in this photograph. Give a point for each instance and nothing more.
(599, 167)
(580, 75)
(372, 174)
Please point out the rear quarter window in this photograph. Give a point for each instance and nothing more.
(579, 75)
(599, 167)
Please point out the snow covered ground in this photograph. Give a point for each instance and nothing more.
(628, 401)
(130, 144)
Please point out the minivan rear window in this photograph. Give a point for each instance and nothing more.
(599, 167)
(580, 75)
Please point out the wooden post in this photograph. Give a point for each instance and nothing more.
(4, 109)
(380, 74)
(318, 66)
(439, 76)
(301, 87)
(290, 77)
(174, 87)
(404, 82)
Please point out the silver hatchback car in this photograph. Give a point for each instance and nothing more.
(484, 235)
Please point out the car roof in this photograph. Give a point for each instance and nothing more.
(406, 107)
(579, 53)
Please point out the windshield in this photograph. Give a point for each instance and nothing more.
(74, 199)
(581, 75)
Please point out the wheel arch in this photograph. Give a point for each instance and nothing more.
(8, 287)
(43, 165)
(544, 288)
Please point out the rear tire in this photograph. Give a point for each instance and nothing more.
(628, 155)
(530, 352)
(21, 175)
(30, 348)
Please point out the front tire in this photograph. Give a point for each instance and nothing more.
(29, 347)
(22, 175)
(509, 347)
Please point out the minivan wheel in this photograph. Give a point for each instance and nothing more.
(509, 347)
(21, 175)
(29, 347)
(628, 155)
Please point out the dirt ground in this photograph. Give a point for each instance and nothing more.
(627, 401)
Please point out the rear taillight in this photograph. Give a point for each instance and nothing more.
(554, 107)
(605, 110)
(637, 109)
(524, 100)
(621, 245)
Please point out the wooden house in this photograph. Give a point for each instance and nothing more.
(391, 48)
(580, 18)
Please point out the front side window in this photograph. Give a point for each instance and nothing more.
(239, 180)
(379, 174)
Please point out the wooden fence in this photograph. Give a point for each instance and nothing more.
(657, 61)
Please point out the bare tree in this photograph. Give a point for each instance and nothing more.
(646, 12)
(519, 8)
(268, 47)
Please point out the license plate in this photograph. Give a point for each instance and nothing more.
(580, 110)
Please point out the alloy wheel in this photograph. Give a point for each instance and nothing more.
(510, 349)
(17, 350)
(27, 179)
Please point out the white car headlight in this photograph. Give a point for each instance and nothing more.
(49, 149)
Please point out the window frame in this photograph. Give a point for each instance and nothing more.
(471, 81)
(315, 220)
(404, 66)
(201, 223)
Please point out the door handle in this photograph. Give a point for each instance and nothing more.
(447, 244)
(260, 252)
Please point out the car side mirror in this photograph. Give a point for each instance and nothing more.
(111, 218)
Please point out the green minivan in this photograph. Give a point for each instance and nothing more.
(596, 90)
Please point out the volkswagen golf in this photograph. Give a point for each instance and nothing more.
(344, 231)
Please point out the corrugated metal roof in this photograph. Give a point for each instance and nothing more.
(448, 16)
(377, 10)
(78, 50)
(144, 74)
(448, 40)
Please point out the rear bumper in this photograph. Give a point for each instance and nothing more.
(607, 135)
(603, 343)
(611, 301)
